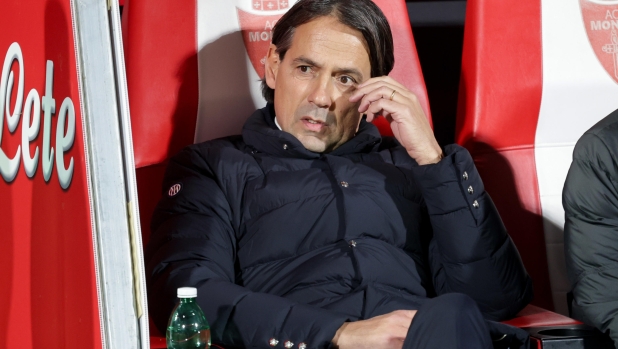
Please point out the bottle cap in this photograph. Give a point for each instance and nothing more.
(187, 292)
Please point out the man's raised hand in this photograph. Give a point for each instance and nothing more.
(403, 111)
(386, 331)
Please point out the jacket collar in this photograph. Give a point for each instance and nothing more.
(261, 133)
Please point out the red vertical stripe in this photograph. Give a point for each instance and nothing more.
(161, 62)
(499, 103)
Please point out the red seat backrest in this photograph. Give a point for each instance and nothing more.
(175, 72)
(531, 85)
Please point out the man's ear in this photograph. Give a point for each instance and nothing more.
(271, 65)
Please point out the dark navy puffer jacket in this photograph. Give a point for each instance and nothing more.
(288, 244)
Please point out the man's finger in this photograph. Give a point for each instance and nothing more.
(385, 79)
(383, 107)
(382, 93)
(379, 85)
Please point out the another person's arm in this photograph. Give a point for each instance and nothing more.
(590, 200)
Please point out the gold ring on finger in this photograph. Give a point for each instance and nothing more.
(393, 95)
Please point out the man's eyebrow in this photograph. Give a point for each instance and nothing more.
(307, 61)
(349, 71)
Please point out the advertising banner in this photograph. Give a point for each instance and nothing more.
(49, 295)
(62, 282)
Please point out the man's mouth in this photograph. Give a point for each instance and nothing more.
(313, 125)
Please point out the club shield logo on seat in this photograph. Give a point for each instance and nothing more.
(601, 22)
(257, 19)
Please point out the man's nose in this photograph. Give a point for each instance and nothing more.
(322, 92)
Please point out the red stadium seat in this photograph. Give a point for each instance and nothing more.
(182, 89)
(534, 78)
(193, 69)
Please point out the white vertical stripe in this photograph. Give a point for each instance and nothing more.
(229, 86)
(577, 93)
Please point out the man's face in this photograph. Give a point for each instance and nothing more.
(323, 66)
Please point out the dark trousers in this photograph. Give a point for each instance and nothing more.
(450, 321)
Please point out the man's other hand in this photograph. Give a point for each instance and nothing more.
(402, 109)
(386, 331)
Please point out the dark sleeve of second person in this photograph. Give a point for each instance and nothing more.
(590, 200)
(471, 252)
(193, 244)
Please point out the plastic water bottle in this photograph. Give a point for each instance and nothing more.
(187, 327)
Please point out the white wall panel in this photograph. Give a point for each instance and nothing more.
(577, 92)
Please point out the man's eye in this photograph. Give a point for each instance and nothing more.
(346, 80)
(304, 69)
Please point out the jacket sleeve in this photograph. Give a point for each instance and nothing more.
(193, 244)
(470, 251)
(590, 200)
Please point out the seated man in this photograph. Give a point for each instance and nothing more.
(310, 230)
(590, 200)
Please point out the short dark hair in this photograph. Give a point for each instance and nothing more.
(361, 15)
